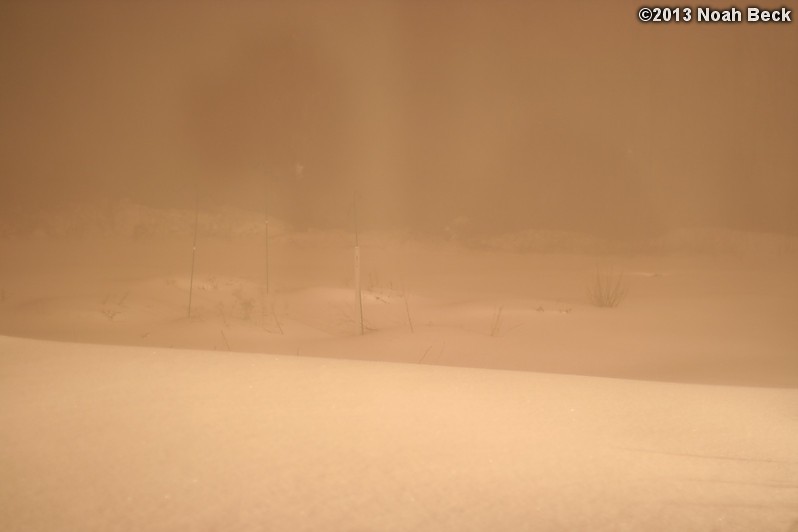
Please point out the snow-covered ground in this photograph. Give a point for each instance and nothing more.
(488, 393)
(710, 317)
(131, 438)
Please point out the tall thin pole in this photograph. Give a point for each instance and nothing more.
(358, 296)
(193, 252)
(266, 213)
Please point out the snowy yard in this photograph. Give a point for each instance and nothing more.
(247, 417)
(128, 438)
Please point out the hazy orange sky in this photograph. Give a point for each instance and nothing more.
(515, 114)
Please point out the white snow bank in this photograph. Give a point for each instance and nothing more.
(697, 240)
(121, 438)
(125, 218)
(129, 219)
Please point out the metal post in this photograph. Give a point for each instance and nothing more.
(266, 212)
(358, 296)
(193, 253)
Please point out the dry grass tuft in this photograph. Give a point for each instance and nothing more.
(608, 289)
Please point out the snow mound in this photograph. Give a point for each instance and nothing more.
(119, 438)
(129, 219)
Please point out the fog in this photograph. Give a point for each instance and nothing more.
(512, 115)
(396, 265)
